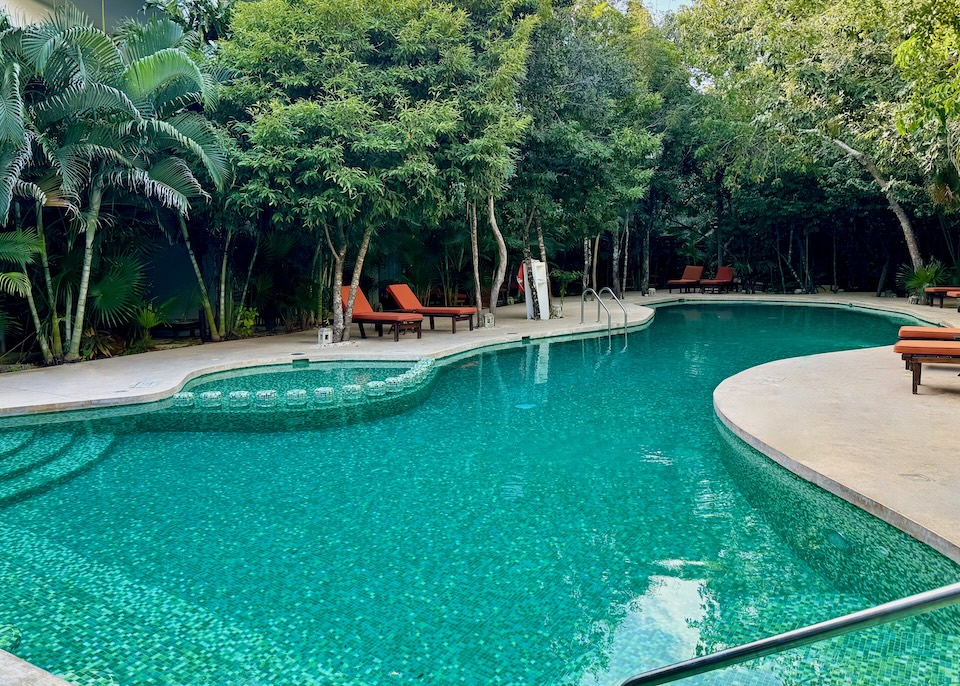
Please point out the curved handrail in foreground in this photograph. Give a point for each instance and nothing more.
(881, 614)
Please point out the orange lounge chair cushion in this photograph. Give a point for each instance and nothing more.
(362, 312)
(941, 289)
(691, 275)
(723, 277)
(409, 302)
(940, 348)
(934, 333)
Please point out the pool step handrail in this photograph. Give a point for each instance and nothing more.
(864, 619)
(607, 289)
(600, 303)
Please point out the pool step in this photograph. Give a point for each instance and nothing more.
(78, 456)
(43, 449)
(87, 612)
(12, 441)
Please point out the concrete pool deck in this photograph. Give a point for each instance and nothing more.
(846, 421)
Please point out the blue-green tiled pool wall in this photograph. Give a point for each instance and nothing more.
(553, 514)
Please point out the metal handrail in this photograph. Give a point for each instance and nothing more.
(619, 302)
(600, 304)
(881, 614)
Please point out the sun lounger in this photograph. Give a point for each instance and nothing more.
(920, 352)
(723, 281)
(407, 301)
(927, 333)
(364, 314)
(932, 333)
(688, 281)
(939, 292)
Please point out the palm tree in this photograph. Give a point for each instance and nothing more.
(90, 121)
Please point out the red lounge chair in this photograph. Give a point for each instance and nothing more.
(723, 281)
(938, 292)
(689, 280)
(407, 301)
(920, 352)
(364, 314)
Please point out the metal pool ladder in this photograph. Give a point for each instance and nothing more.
(881, 614)
(605, 289)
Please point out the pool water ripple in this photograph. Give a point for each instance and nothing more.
(554, 514)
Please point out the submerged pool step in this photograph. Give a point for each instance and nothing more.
(97, 598)
(78, 456)
(43, 449)
(12, 441)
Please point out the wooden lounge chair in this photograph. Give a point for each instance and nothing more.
(407, 301)
(920, 352)
(688, 281)
(939, 292)
(364, 314)
(926, 333)
(723, 281)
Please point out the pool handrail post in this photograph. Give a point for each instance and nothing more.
(619, 302)
(863, 619)
(583, 297)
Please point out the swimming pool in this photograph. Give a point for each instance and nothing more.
(563, 513)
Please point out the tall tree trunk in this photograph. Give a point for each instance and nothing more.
(67, 318)
(616, 262)
(93, 216)
(41, 338)
(478, 295)
(56, 341)
(596, 260)
(867, 162)
(585, 277)
(501, 269)
(645, 257)
(543, 258)
(204, 296)
(246, 281)
(339, 253)
(531, 284)
(355, 280)
(223, 284)
(626, 254)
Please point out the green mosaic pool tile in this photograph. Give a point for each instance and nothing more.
(38, 453)
(78, 455)
(606, 527)
(11, 442)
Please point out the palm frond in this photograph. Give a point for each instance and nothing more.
(12, 163)
(146, 76)
(83, 99)
(28, 189)
(14, 283)
(139, 181)
(18, 247)
(114, 296)
(191, 132)
(142, 40)
(175, 173)
(11, 105)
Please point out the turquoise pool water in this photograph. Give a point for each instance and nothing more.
(553, 514)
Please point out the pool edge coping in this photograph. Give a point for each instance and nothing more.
(454, 352)
(845, 491)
